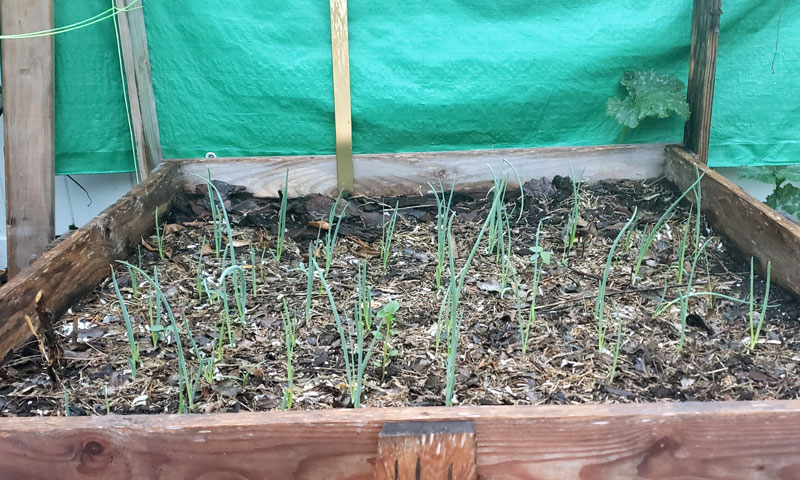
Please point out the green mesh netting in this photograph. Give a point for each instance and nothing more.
(253, 77)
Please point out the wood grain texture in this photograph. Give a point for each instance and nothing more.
(427, 450)
(395, 174)
(143, 167)
(142, 100)
(28, 102)
(78, 264)
(702, 72)
(589, 442)
(748, 225)
(340, 51)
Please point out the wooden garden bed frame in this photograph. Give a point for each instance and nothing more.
(710, 440)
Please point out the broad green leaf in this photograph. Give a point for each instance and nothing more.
(389, 309)
(785, 198)
(650, 94)
(546, 257)
(776, 174)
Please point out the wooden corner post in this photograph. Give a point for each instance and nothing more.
(139, 80)
(340, 52)
(702, 70)
(28, 104)
(423, 450)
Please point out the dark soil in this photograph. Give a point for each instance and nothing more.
(562, 365)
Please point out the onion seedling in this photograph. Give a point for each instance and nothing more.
(239, 281)
(600, 305)
(754, 335)
(134, 282)
(539, 257)
(133, 361)
(199, 271)
(648, 239)
(682, 246)
(154, 312)
(355, 366)
(364, 296)
(183, 369)
(66, 402)
(253, 279)
(619, 343)
(332, 233)
(387, 232)
(281, 238)
(684, 303)
(450, 302)
(225, 323)
(219, 223)
(442, 227)
(289, 342)
(571, 230)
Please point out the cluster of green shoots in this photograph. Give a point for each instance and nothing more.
(289, 325)
(332, 232)
(232, 283)
(387, 232)
(449, 315)
(281, 238)
(571, 230)
(443, 224)
(187, 379)
(356, 351)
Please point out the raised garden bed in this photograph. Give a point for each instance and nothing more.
(504, 355)
(563, 364)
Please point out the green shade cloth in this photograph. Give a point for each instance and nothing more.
(253, 77)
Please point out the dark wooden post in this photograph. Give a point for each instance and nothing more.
(28, 103)
(702, 70)
(444, 450)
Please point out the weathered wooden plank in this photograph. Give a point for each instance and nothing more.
(143, 166)
(702, 72)
(408, 173)
(417, 450)
(340, 52)
(75, 266)
(754, 440)
(136, 57)
(27, 69)
(748, 225)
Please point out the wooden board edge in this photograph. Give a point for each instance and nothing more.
(664, 440)
(28, 67)
(750, 226)
(75, 266)
(396, 174)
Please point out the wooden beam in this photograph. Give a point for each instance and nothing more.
(143, 166)
(141, 98)
(702, 71)
(340, 52)
(748, 225)
(28, 102)
(77, 265)
(664, 440)
(394, 174)
(417, 450)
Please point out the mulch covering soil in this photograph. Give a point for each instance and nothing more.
(562, 364)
